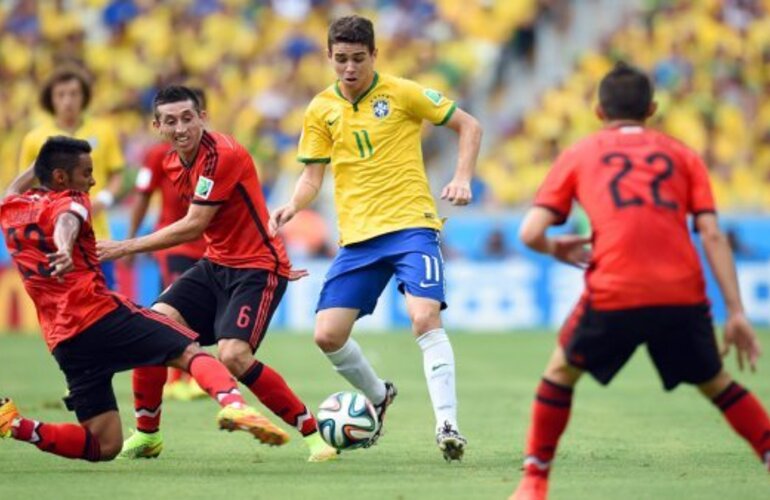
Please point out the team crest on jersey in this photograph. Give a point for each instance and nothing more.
(204, 187)
(381, 106)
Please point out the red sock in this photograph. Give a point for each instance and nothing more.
(174, 375)
(148, 397)
(747, 417)
(214, 378)
(65, 440)
(550, 414)
(273, 392)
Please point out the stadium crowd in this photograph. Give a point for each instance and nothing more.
(709, 60)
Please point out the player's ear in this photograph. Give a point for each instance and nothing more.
(204, 116)
(600, 112)
(59, 177)
(156, 124)
(652, 109)
(374, 53)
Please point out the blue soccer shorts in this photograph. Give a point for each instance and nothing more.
(360, 272)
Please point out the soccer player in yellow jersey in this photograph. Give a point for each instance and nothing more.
(366, 126)
(65, 96)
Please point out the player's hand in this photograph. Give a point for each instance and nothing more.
(61, 263)
(571, 249)
(739, 333)
(298, 274)
(279, 217)
(107, 250)
(457, 192)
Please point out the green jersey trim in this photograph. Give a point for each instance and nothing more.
(448, 115)
(307, 161)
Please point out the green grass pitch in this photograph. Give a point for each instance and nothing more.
(629, 441)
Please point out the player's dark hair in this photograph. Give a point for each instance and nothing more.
(60, 75)
(59, 152)
(175, 93)
(351, 29)
(625, 93)
(201, 95)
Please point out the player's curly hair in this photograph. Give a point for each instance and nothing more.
(351, 29)
(176, 93)
(63, 74)
(625, 93)
(59, 152)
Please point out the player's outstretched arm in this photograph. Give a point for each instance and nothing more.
(738, 330)
(188, 228)
(22, 182)
(64, 235)
(468, 128)
(306, 190)
(568, 248)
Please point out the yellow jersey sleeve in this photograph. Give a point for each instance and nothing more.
(315, 143)
(425, 103)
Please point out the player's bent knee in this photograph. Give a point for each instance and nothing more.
(183, 360)
(328, 341)
(712, 388)
(425, 319)
(236, 355)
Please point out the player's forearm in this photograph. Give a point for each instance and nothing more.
(720, 259)
(138, 214)
(23, 181)
(179, 232)
(307, 188)
(468, 149)
(65, 232)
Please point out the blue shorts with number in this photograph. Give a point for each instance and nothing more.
(360, 271)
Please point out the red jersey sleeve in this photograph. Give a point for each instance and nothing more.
(220, 174)
(150, 175)
(701, 199)
(558, 190)
(73, 202)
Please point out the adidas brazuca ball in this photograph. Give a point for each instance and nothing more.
(347, 420)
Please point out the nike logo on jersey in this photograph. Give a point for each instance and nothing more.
(428, 285)
(332, 122)
(436, 367)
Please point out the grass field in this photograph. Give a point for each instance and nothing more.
(629, 441)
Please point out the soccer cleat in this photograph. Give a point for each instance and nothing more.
(390, 394)
(531, 487)
(176, 391)
(8, 413)
(142, 445)
(232, 418)
(319, 450)
(450, 442)
(195, 391)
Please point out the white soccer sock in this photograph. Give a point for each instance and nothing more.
(438, 361)
(350, 362)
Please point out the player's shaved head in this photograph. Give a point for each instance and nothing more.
(351, 29)
(625, 93)
(59, 152)
(175, 93)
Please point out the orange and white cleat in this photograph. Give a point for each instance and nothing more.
(8, 413)
(245, 418)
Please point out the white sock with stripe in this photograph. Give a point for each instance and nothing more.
(439, 366)
(350, 362)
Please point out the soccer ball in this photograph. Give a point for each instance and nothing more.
(347, 420)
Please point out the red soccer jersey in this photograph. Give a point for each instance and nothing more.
(224, 174)
(150, 179)
(637, 186)
(68, 306)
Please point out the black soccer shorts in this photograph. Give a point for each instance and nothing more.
(221, 302)
(680, 340)
(128, 337)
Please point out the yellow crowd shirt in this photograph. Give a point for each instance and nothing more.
(106, 155)
(374, 148)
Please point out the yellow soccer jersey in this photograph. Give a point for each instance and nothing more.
(106, 155)
(373, 145)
